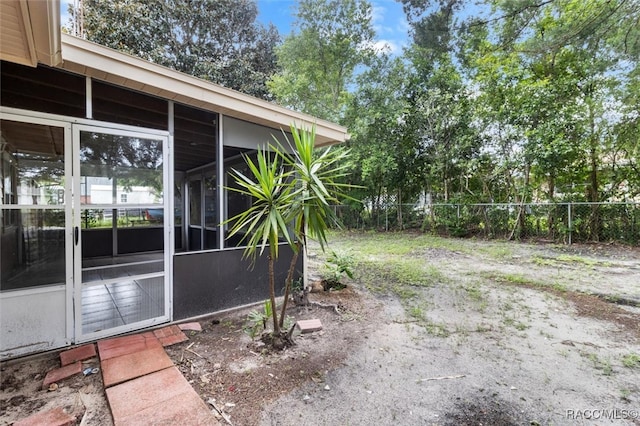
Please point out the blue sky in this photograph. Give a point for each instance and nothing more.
(388, 19)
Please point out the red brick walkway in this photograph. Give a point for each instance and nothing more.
(142, 384)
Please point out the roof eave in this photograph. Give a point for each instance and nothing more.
(102, 63)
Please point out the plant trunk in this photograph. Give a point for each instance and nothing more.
(288, 281)
(272, 296)
(593, 181)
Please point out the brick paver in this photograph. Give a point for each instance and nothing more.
(54, 417)
(112, 348)
(126, 367)
(77, 354)
(182, 409)
(170, 335)
(308, 326)
(61, 373)
(143, 392)
(190, 326)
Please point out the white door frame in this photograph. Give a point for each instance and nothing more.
(73, 265)
(167, 202)
(12, 297)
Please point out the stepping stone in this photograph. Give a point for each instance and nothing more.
(190, 326)
(170, 335)
(125, 345)
(126, 367)
(77, 354)
(163, 397)
(309, 326)
(185, 408)
(54, 417)
(61, 373)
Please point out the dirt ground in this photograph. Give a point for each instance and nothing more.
(491, 333)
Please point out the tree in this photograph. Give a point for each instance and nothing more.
(376, 117)
(217, 40)
(318, 60)
(292, 197)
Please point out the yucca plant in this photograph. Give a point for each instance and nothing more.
(265, 222)
(294, 186)
(316, 175)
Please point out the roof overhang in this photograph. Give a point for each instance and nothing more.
(105, 64)
(30, 32)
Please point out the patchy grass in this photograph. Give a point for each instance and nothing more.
(603, 365)
(569, 259)
(631, 360)
(496, 250)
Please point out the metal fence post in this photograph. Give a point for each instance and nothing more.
(386, 218)
(569, 221)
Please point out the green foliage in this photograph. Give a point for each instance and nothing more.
(631, 360)
(257, 321)
(218, 40)
(318, 59)
(338, 265)
(291, 194)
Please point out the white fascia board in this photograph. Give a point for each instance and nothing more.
(126, 70)
(45, 23)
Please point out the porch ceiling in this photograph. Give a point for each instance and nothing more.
(30, 32)
(33, 138)
(102, 63)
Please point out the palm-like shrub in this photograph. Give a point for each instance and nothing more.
(293, 189)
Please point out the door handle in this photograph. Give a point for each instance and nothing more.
(76, 234)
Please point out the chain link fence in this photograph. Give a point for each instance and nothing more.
(559, 222)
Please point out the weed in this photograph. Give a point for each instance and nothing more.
(497, 251)
(625, 394)
(515, 279)
(521, 326)
(558, 286)
(257, 321)
(600, 364)
(566, 258)
(544, 261)
(416, 312)
(339, 263)
(436, 329)
(631, 360)
(474, 293)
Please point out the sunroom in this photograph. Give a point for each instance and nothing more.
(114, 174)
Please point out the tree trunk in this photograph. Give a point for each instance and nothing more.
(288, 281)
(272, 296)
(594, 227)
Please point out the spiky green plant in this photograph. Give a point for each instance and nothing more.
(317, 180)
(265, 222)
(295, 186)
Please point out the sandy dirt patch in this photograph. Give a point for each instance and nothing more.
(431, 331)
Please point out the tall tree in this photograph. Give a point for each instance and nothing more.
(217, 40)
(318, 60)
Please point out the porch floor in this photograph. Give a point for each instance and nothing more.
(127, 301)
(107, 306)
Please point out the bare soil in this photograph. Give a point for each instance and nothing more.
(505, 334)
